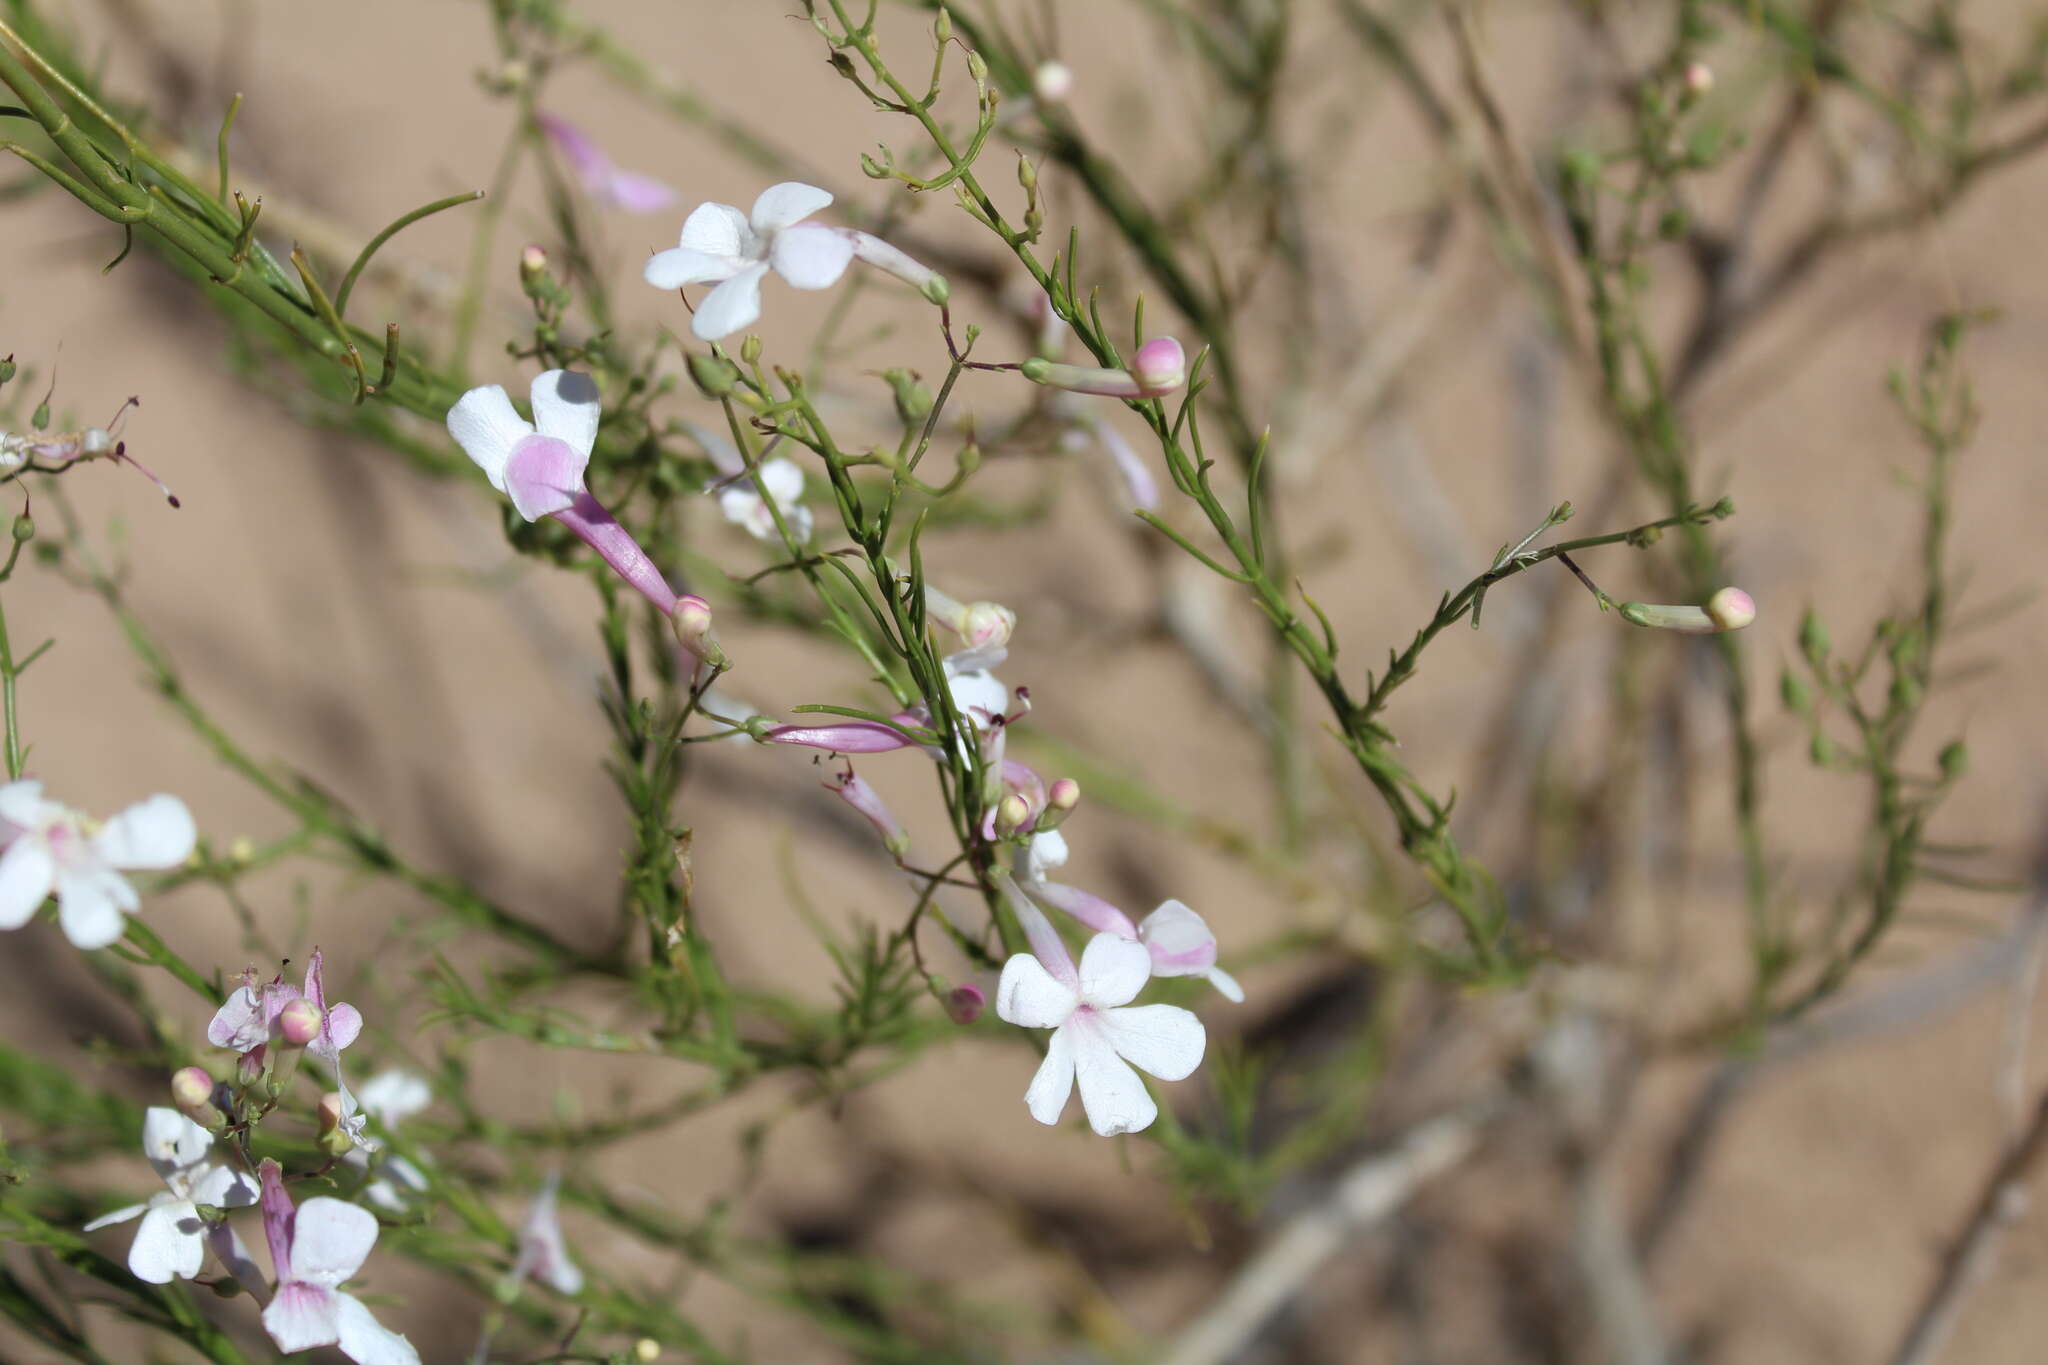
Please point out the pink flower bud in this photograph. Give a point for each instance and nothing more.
(965, 1003)
(533, 262)
(987, 623)
(328, 1115)
(1012, 814)
(298, 1023)
(1731, 609)
(1161, 366)
(192, 1090)
(691, 622)
(1064, 794)
(1699, 78)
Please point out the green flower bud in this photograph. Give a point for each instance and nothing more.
(6, 369)
(913, 399)
(1955, 760)
(1793, 691)
(714, 375)
(24, 528)
(1821, 750)
(1813, 638)
(750, 351)
(40, 419)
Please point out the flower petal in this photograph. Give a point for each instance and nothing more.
(1113, 970)
(719, 230)
(1227, 984)
(1029, 996)
(566, 406)
(224, 1188)
(172, 1142)
(394, 1095)
(303, 1316)
(1045, 851)
(170, 1244)
(544, 476)
(486, 425)
(1165, 1040)
(92, 904)
(330, 1240)
(1116, 1100)
(980, 697)
(782, 480)
(810, 256)
(107, 1220)
(1054, 1080)
(27, 873)
(240, 1023)
(1179, 939)
(344, 1023)
(784, 205)
(679, 265)
(154, 833)
(21, 803)
(734, 305)
(634, 193)
(366, 1340)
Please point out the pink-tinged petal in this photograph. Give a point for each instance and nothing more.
(679, 266)
(1179, 940)
(544, 476)
(303, 1316)
(718, 230)
(634, 193)
(1111, 1093)
(278, 1218)
(1054, 1080)
(330, 1240)
(1029, 996)
(154, 833)
(241, 1022)
(21, 803)
(171, 1142)
(27, 875)
(486, 425)
(170, 1244)
(224, 1188)
(731, 307)
(577, 148)
(784, 205)
(367, 1341)
(344, 1023)
(92, 905)
(567, 406)
(1165, 1040)
(615, 545)
(1225, 983)
(810, 256)
(1113, 970)
(107, 1220)
(850, 737)
(1046, 944)
(543, 1252)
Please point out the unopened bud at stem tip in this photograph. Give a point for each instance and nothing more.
(298, 1023)
(191, 1090)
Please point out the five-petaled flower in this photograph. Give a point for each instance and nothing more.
(735, 251)
(1098, 1035)
(171, 1243)
(51, 847)
(540, 464)
(315, 1248)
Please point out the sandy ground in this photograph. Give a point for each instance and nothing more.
(333, 605)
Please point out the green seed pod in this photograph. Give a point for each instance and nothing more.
(1813, 638)
(24, 528)
(913, 399)
(750, 351)
(1955, 760)
(40, 419)
(714, 375)
(1821, 750)
(6, 369)
(1792, 689)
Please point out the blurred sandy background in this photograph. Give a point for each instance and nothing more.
(344, 615)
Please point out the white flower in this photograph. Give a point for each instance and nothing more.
(171, 1243)
(744, 501)
(315, 1249)
(1097, 1034)
(538, 464)
(52, 847)
(542, 1252)
(722, 246)
(390, 1097)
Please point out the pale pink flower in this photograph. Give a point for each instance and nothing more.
(857, 793)
(1098, 1035)
(540, 465)
(601, 179)
(315, 1249)
(171, 1243)
(51, 847)
(543, 1253)
(1179, 940)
